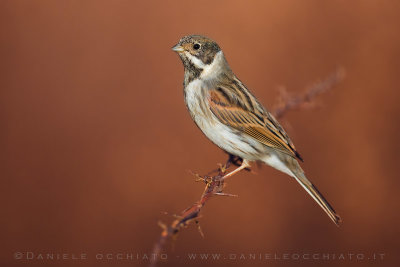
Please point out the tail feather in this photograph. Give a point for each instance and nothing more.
(317, 196)
(291, 166)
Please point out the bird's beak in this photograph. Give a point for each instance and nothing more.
(178, 48)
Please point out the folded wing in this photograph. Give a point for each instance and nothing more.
(240, 113)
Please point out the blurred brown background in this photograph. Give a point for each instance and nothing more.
(96, 142)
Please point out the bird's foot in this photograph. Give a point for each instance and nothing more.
(206, 179)
(245, 165)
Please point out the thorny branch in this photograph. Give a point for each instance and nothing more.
(215, 184)
(287, 102)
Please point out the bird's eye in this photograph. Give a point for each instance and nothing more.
(196, 46)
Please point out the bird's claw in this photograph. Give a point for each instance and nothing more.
(206, 179)
(222, 168)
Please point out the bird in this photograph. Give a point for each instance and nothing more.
(233, 118)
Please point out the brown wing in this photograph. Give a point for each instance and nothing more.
(239, 109)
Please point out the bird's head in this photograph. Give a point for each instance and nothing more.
(197, 52)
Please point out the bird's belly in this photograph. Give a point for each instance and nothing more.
(227, 138)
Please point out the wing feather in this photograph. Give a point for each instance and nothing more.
(239, 115)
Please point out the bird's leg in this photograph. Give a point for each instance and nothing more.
(235, 160)
(245, 164)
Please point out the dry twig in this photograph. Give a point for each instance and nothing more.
(215, 185)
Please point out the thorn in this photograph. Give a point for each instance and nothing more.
(222, 167)
(198, 176)
(199, 228)
(206, 179)
(225, 194)
(162, 225)
(199, 179)
(177, 216)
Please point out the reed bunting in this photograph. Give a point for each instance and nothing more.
(232, 117)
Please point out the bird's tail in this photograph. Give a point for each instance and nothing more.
(316, 195)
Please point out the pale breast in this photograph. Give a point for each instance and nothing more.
(227, 138)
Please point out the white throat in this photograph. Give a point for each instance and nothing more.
(197, 62)
(210, 70)
(215, 67)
